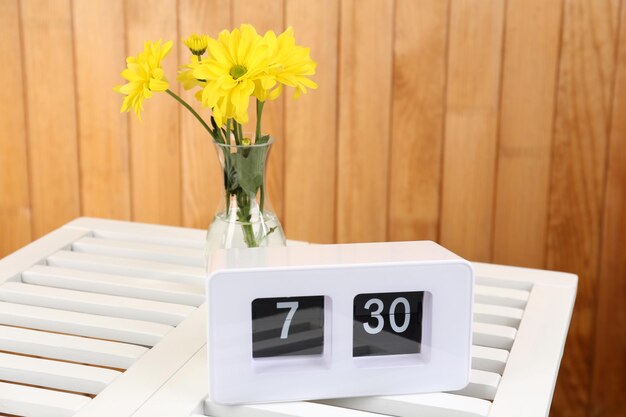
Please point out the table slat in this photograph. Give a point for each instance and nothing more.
(81, 324)
(30, 401)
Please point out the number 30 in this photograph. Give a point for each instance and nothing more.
(392, 312)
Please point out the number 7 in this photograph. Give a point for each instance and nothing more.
(292, 306)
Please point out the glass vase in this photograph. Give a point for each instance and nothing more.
(244, 217)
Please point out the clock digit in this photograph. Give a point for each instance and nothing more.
(292, 306)
(387, 323)
(407, 315)
(288, 326)
(375, 314)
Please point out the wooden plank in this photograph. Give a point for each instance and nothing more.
(141, 232)
(436, 405)
(489, 359)
(495, 314)
(583, 110)
(311, 127)
(132, 267)
(55, 374)
(103, 139)
(52, 136)
(530, 369)
(91, 303)
(474, 61)
(268, 15)
(31, 401)
(98, 282)
(609, 362)
(202, 183)
(421, 31)
(15, 224)
(529, 77)
(81, 324)
(155, 143)
(69, 348)
(500, 296)
(365, 74)
(136, 250)
(493, 335)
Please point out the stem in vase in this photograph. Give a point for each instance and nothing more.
(248, 235)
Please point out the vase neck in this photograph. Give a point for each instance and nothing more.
(244, 185)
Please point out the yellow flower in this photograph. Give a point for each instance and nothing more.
(291, 63)
(144, 75)
(236, 60)
(185, 76)
(197, 44)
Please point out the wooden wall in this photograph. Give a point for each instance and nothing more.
(496, 127)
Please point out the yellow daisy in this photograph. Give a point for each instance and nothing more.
(236, 60)
(291, 63)
(144, 75)
(197, 44)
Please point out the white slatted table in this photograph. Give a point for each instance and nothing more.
(106, 318)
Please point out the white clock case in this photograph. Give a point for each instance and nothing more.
(339, 272)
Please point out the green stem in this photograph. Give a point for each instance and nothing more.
(244, 205)
(240, 129)
(248, 236)
(262, 197)
(188, 107)
(216, 129)
(259, 112)
(228, 131)
(236, 133)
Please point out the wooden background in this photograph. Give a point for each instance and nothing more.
(496, 127)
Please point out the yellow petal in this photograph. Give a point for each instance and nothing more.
(218, 52)
(226, 82)
(202, 72)
(165, 49)
(233, 44)
(273, 94)
(158, 85)
(217, 115)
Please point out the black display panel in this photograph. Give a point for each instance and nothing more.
(387, 323)
(287, 326)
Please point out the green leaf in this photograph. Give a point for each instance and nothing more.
(262, 140)
(250, 168)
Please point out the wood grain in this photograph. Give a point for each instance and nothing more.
(155, 142)
(473, 89)
(268, 15)
(529, 77)
(365, 71)
(103, 139)
(609, 340)
(418, 118)
(311, 127)
(202, 183)
(15, 216)
(578, 180)
(51, 107)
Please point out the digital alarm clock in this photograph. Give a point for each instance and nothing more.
(327, 321)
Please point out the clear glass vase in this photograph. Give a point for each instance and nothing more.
(244, 217)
